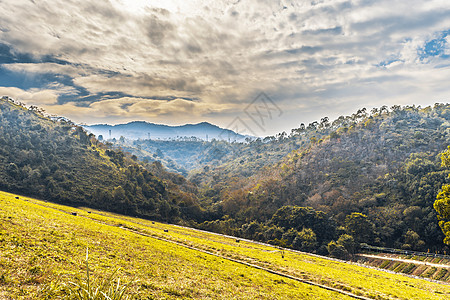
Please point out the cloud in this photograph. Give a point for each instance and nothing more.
(178, 110)
(207, 60)
(31, 97)
(158, 31)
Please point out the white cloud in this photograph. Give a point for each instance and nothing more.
(306, 55)
(178, 111)
(31, 97)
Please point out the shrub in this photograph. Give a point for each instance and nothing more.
(430, 272)
(408, 269)
(385, 264)
(95, 289)
(440, 274)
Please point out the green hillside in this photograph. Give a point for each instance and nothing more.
(43, 247)
(384, 164)
(55, 160)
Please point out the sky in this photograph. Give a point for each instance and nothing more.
(257, 66)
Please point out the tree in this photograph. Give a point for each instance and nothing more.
(13, 170)
(290, 235)
(413, 241)
(251, 230)
(159, 153)
(336, 250)
(349, 243)
(442, 203)
(164, 210)
(334, 135)
(344, 247)
(358, 226)
(305, 240)
(119, 194)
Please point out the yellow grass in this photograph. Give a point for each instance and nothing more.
(42, 246)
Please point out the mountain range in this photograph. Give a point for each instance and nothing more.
(145, 130)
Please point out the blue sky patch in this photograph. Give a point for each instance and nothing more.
(387, 62)
(435, 47)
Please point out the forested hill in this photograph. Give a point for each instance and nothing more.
(385, 165)
(58, 161)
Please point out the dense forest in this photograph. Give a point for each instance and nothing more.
(379, 170)
(53, 159)
(371, 177)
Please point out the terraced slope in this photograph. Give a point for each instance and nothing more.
(430, 267)
(42, 246)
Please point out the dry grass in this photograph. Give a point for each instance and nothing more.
(42, 250)
(49, 243)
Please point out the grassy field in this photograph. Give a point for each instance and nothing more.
(43, 246)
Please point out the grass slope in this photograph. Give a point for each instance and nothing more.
(42, 247)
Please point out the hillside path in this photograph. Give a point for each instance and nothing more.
(411, 261)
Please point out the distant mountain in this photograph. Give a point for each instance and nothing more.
(144, 130)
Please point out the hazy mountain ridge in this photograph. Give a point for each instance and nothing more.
(145, 130)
